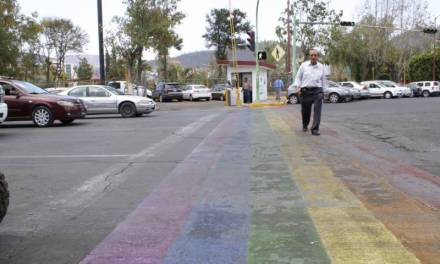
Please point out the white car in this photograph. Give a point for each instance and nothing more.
(196, 92)
(3, 106)
(365, 92)
(406, 91)
(378, 89)
(100, 99)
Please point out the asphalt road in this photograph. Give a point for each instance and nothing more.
(71, 186)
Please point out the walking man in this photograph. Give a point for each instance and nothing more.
(278, 85)
(310, 82)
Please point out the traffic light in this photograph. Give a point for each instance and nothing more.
(430, 30)
(251, 40)
(347, 23)
(262, 55)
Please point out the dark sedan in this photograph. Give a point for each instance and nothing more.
(168, 92)
(29, 102)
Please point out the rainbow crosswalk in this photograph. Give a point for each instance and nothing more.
(258, 190)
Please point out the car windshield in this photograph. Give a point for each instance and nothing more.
(30, 88)
(113, 90)
(388, 84)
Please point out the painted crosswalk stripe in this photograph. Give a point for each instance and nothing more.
(350, 233)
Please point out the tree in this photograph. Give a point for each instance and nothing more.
(218, 32)
(62, 36)
(8, 36)
(84, 70)
(420, 66)
(308, 35)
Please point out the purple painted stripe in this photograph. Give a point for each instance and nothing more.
(149, 231)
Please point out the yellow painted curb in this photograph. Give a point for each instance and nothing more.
(266, 104)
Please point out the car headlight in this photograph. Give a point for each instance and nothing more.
(66, 104)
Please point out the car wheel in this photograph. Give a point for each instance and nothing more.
(387, 95)
(4, 196)
(139, 114)
(425, 93)
(42, 116)
(127, 110)
(67, 121)
(208, 99)
(333, 98)
(293, 99)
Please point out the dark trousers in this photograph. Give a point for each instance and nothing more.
(308, 98)
(247, 96)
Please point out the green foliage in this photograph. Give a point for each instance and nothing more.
(311, 36)
(84, 70)
(9, 41)
(218, 31)
(420, 66)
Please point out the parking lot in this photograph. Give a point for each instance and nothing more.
(72, 185)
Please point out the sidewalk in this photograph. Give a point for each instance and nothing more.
(259, 190)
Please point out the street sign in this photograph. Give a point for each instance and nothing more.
(278, 53)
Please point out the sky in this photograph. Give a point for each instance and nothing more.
(84, 14)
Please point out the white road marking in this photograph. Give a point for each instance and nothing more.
(64, 156)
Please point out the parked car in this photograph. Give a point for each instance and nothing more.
(29, 102)
(407, 92)
(365, 92)
(4, 196)
(168, 92)
(3, 106)
(416, 90)
(218, 91)
(426, 88)
(292, 95)
(100, 99)
(378, 89)
(196, 92)
(333, 93)
(354, 93)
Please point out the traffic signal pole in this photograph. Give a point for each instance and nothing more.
(257, 62)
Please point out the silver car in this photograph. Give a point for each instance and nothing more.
(100, 99)
(364, 91)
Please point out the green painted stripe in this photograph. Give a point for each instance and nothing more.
(281, 228)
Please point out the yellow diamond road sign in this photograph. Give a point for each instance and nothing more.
(278, 53)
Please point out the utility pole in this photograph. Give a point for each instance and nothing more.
(294, 64)
(289, 40)
(101, 44)
(257, 61)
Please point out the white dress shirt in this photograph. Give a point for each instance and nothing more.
(311, 75)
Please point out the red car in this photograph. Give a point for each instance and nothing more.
(29, 102)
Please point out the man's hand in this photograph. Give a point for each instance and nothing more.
(298, 90)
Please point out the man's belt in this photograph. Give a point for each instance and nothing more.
(310, 87)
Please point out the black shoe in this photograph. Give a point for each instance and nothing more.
(305, 129)
(315, 133)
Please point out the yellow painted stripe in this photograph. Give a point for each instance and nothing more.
(350, 233)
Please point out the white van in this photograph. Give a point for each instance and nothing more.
(427, 88)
